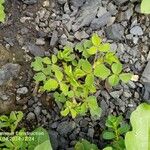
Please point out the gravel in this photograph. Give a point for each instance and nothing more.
(22, 90)
(136, 30)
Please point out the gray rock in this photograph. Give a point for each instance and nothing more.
(77, 3)
(90, 132)
(66, 127)
(115, 32)
(86, 14)
(136, 30)
(35, 50)
(63, 39)
(105, 95)
(8, 72)
(30, 116)
(81, 35)
(40, 41)
(37, 111)
(127, 94)
(116, 94)
(104, 107)
(84, 123)
(54, 38)
(22, 90)
(101, 21)
(54, 139)
(120, 2)
(62, 1)
(101, 11)
(29, 2)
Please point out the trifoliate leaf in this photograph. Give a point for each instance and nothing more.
(116, 68)
(40, 76)
(37, 64)
(46, 60)
(50, 85)
(59, 75)
(54, 59)
(107, 135)
(96, 40)
(125, 77)
(101, 71)
(92, 50)
(145, 6)
(65, 112)
(113, 80)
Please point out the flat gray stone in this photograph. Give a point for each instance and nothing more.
(136, 30)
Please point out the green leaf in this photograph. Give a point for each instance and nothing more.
(92, 50)
(108, 148)
(65, 112)
(95, 110)
(44, 146)
(70, 94)
(47, 70)
(50, 85)
(110, 58)
(64, 88)
(125, 77)
(73, 113)
(46, 60)
(59, 97)
(108, 135)
(54, 59)
(96, 40)
(124, 128)
(2, 13)
(59, 75)
(104, 47)
(37, 64)
(101, 71)
(86, 66)
(145, 6)
(89, 80)
(87, 44)
(78, 73)
(139, 137)
(113, 80)
(116, 68)
(40, 76)
(79, 47)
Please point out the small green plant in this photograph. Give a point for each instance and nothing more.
(145, 6)
(85, 145)
(2, 13)
(115, 132)
(72, 75)
(139, 137)
(20, 140)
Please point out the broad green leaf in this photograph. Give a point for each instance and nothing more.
(64, 88)
(78, 73)
(54, 59)
(125, 77)
(107, 135)
(59, 75)
(95, 110)
(87, 44)
(86, 66)
(108, 148)
(40, 76)
(92, 50)
(113, 80)
(73, 113)
(37, 64)
(85, 145)
(104, 47)
(89, 80)
(124, 128)
(83, 108)
(59, 97)
(70, 94)
(110, 58)
(47, 70)
(96, 40)
(46, 60)
(139, 137)
(50, 85)
(79, 47)
(145, 6)
(65, 112)
(116, 68)
(2, 13)
(2, 1)
(44, 146)
(101, 71)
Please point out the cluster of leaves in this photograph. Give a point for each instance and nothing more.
(145, 6)
(2, 13)
(20, 140)
(72, 77)
(116, 131)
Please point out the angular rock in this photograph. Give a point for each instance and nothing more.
(77, 3)
(115, 32)
(54, 38)
(120, 2)
(136, 30)
(87, 14)
(54, 139)
(29, 2)
(23, 90)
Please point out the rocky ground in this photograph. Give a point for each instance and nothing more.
(39, 28)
